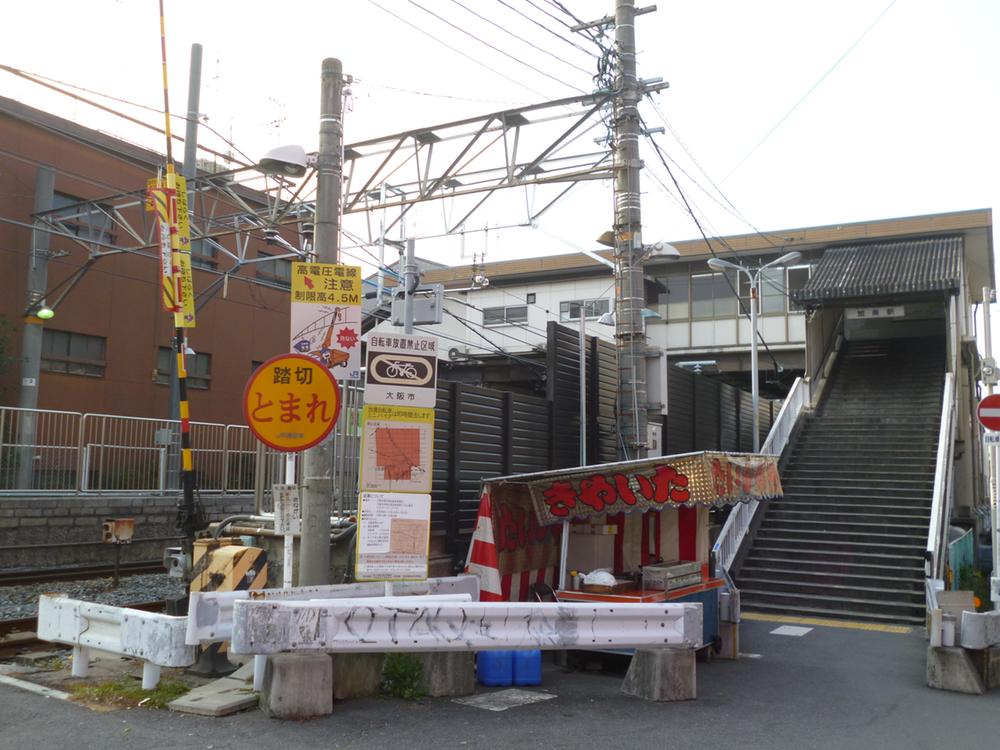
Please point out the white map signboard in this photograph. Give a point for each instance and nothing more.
(401, 370)
(287, 508)
(393, 536)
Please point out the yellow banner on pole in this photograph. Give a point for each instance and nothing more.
(185, 318)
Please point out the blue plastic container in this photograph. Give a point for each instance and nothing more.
(495, 667)
(528, 667)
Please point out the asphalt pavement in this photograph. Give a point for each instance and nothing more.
(826, 688)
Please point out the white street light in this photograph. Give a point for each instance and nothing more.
(753, 276)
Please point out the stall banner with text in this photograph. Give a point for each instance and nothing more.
(654, 484)
(393, 536)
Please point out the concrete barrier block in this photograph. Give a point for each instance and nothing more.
(450, 673)
(729, 633)
(356, 675)
(951, 668)
(662, 674)
(297, 686)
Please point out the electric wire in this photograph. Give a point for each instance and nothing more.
(711, 249)
(510, 33)
(495, 48)
(40, 80)
(812, 88)
(545, 28)
(456, 50)
(492, 344)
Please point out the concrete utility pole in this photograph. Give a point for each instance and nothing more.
(317, 462)
(31, 337)
(630, 335)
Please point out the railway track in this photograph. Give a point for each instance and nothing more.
(78, 572)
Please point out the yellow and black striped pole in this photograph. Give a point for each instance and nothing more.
(186, 516)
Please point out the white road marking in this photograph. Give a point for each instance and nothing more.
(794, 630)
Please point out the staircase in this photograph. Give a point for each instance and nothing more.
(848, 537)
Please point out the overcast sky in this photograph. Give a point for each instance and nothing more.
(899, 114)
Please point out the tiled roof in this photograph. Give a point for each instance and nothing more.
(884, 269)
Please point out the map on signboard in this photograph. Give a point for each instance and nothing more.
(408, 536)
(393, 536)
(398, 449)
(330, 334)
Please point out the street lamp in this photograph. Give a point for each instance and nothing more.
(753, 276)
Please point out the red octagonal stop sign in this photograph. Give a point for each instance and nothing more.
(989, 412)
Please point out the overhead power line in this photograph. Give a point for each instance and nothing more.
(521, 39)
(456, 50)
(812, 88)
(493, 47)
(545, 28)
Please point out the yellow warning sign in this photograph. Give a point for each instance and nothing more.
(326, 283)
(182, 244)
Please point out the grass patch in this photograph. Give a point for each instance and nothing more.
(402, 675)
(126, 692)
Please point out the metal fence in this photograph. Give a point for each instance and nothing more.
(44, 452)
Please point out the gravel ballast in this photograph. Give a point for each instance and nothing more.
(17, 602)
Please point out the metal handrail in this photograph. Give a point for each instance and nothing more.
(741, 516)
(819, 381)
(943, 484)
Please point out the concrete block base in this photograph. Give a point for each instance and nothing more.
(220, 698)
(987, 662)
(662, 674)
(448, 674)
(729, 634)
(951, 668)
(356, 675)
(297, 686)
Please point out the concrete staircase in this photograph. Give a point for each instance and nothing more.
(848, 538)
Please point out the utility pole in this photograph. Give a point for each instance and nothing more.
(410, 281)
(630, 335)
(317, 462)
(31, 337)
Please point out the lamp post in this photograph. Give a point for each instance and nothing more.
(753, 276)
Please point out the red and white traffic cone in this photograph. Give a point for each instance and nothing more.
(483, 559)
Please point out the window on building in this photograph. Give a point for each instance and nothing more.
(712, 296)
(772, 291)
(88, 221)
(775, 284)
(203, 254)
(255, 365)
(593, 308)
(279, 269)
(199, 368)
(530, 298)
(673, 302)
(509, 315)
(73, 353)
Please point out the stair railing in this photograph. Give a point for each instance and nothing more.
(741, 516)
(937, 534)
(822, 377)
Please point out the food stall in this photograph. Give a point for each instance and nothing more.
(644, 523)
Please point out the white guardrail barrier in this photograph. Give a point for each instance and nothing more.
(210, 613)
(269, 627)
(980, 629)
(155, 638)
